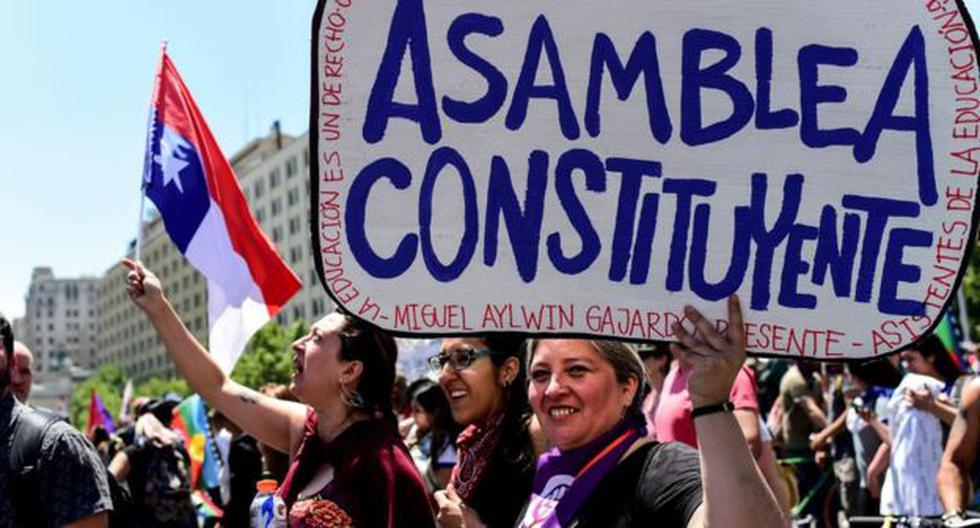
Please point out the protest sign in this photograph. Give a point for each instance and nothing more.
(583, 168)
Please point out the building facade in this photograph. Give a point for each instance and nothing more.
(59, 321)
(273, 172)
(125, 336)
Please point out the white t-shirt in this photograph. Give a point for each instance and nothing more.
(916, 451)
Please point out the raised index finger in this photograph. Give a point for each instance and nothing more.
(736, 326)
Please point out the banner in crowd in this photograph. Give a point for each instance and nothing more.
(582, 168)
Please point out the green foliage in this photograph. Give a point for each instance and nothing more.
(971, 290)
(157, 387)
(268, 357)
(108, 383)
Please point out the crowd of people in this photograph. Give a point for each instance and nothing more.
(512, 432)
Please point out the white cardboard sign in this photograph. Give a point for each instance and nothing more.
(581, 168)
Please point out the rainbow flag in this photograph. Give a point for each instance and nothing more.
(191, 421)
(98, 415)
(205, 507)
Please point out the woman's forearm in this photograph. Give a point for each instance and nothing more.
(727, 465)
(193, 361)
(944, 411)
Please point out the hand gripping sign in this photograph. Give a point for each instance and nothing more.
(588, 168)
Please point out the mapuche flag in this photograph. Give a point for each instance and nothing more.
(190, 420)
(203, 209)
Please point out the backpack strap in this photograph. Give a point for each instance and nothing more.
(27, 432)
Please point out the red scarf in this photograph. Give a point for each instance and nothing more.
(475, 446)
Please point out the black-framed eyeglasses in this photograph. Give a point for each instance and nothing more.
(458, 359)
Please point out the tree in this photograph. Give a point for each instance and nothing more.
(108, 382)
(268, 357)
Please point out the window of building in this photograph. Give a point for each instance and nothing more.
(276, 234)
(306, 158)
(274, 178)
(260, 214)
(276, 206)
(259, 189)
(292, 198)
(290, 168)
(295, 254)
(294, 224)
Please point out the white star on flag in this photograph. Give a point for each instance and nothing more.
(170, 164)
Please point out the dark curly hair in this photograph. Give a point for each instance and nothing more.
(7, 335)
(377, 351)
(933, 347)
(515, 438)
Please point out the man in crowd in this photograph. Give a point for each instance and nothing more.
(71, 486)
(22, 374)
(959, 465)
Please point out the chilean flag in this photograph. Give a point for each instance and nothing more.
(207, 217)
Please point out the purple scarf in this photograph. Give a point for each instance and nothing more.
(564, 480)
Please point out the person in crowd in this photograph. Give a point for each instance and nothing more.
(656, 362)
(959, 470)
(346, 457)
(911, 428)
(157, 469)
(798, 412)
(276, 463)
(406, 424)
(672, 420)
(872, 384)
(484, 380)
(399, 397)
(604, 471)
(433, 445)
(242, 469)
(22, 375)
(68, 486)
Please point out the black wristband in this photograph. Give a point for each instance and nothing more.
(711, 409)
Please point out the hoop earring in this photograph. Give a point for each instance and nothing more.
(351, 398)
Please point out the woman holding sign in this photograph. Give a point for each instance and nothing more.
(588, 397)
(348, 466)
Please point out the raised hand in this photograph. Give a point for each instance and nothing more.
(715, 358)
(143, 287)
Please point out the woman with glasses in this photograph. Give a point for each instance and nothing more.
(348, 466)
(483, 378)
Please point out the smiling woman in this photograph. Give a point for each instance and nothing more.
(485, 383)
(346, 457)
(604, 471)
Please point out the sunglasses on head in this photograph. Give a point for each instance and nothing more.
(458, 359)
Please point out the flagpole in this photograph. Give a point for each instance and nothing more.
(964, 315)
(147, 162)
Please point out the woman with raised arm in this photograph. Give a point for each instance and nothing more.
(604, 472)
(348, 466)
